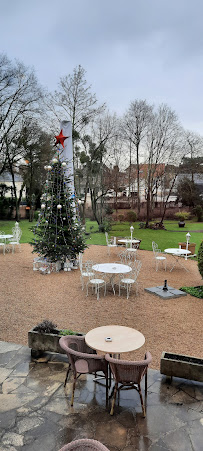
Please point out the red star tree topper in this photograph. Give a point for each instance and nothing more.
(60, 138)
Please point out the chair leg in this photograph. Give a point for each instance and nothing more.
(141, 399)
(97, 292)
(73, 391)
(107, 390)
(119, 288)
(145, 389)
(114, 398)
(67, 374)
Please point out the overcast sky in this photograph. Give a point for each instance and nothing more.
(130, 49)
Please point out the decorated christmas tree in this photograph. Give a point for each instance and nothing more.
(58, 235)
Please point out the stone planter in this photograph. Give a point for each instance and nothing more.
(191, 247)
(184, 366)
(181, 224)
(40, 343)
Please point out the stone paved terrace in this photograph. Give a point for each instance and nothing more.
(35, 412)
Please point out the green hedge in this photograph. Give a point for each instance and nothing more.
(200, 259)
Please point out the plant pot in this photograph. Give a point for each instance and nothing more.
(41, 342)
(184, 366)
(181, 224)
(191, 247)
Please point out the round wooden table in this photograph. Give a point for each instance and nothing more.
(124, 339)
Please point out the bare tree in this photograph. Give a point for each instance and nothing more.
(135, 123)
(163, 148)
(193, 149)
(75, 100)
(20, 97)
(115, 178)
(94, 157)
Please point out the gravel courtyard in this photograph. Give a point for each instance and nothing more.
(27, 297)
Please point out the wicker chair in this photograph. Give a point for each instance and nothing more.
(82, 360)
(129, 374)
(84, 444)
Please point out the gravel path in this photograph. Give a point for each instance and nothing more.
(27, 297)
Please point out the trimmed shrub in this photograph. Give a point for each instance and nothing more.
(199, 213)
(108, 210)
(46, 326)
(200, 259)
(182, 215)
(131, 216)
(105, 226)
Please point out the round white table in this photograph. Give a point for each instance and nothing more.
(6, 237)
(112, 269)
(176, 253)
(124, 339)
(129, 241)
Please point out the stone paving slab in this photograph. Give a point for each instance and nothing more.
(35, 411)
(170, 294)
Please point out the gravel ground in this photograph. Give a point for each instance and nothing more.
(27, 297)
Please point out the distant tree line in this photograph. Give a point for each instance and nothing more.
(103, 143)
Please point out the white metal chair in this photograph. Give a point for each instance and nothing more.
(127, 282)
(157, 255)
(111, 242)
(2, 242)
(17, 233)
(123, 257)
(97, 281)
(85, 270)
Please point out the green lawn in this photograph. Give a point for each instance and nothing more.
(165, 238)
(25, 225)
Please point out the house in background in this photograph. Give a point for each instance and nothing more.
(6, 179)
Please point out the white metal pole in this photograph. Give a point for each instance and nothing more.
(66, 128)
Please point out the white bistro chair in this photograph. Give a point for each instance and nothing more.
(157, 255)
(2, 242)
(85, 270)
(15, 241)
(97, 281)
(111, 242)
(127, 282)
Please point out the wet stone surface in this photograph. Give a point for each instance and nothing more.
(35, 411)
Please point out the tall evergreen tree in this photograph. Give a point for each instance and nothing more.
(58, 233)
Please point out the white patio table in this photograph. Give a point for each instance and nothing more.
(176, 253)
(6, 237)
(112, 269)
(128, 241)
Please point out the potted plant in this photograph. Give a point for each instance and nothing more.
(182, 216)
(45, 337)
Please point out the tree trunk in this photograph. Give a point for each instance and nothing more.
(138, 179)
(165, 204)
